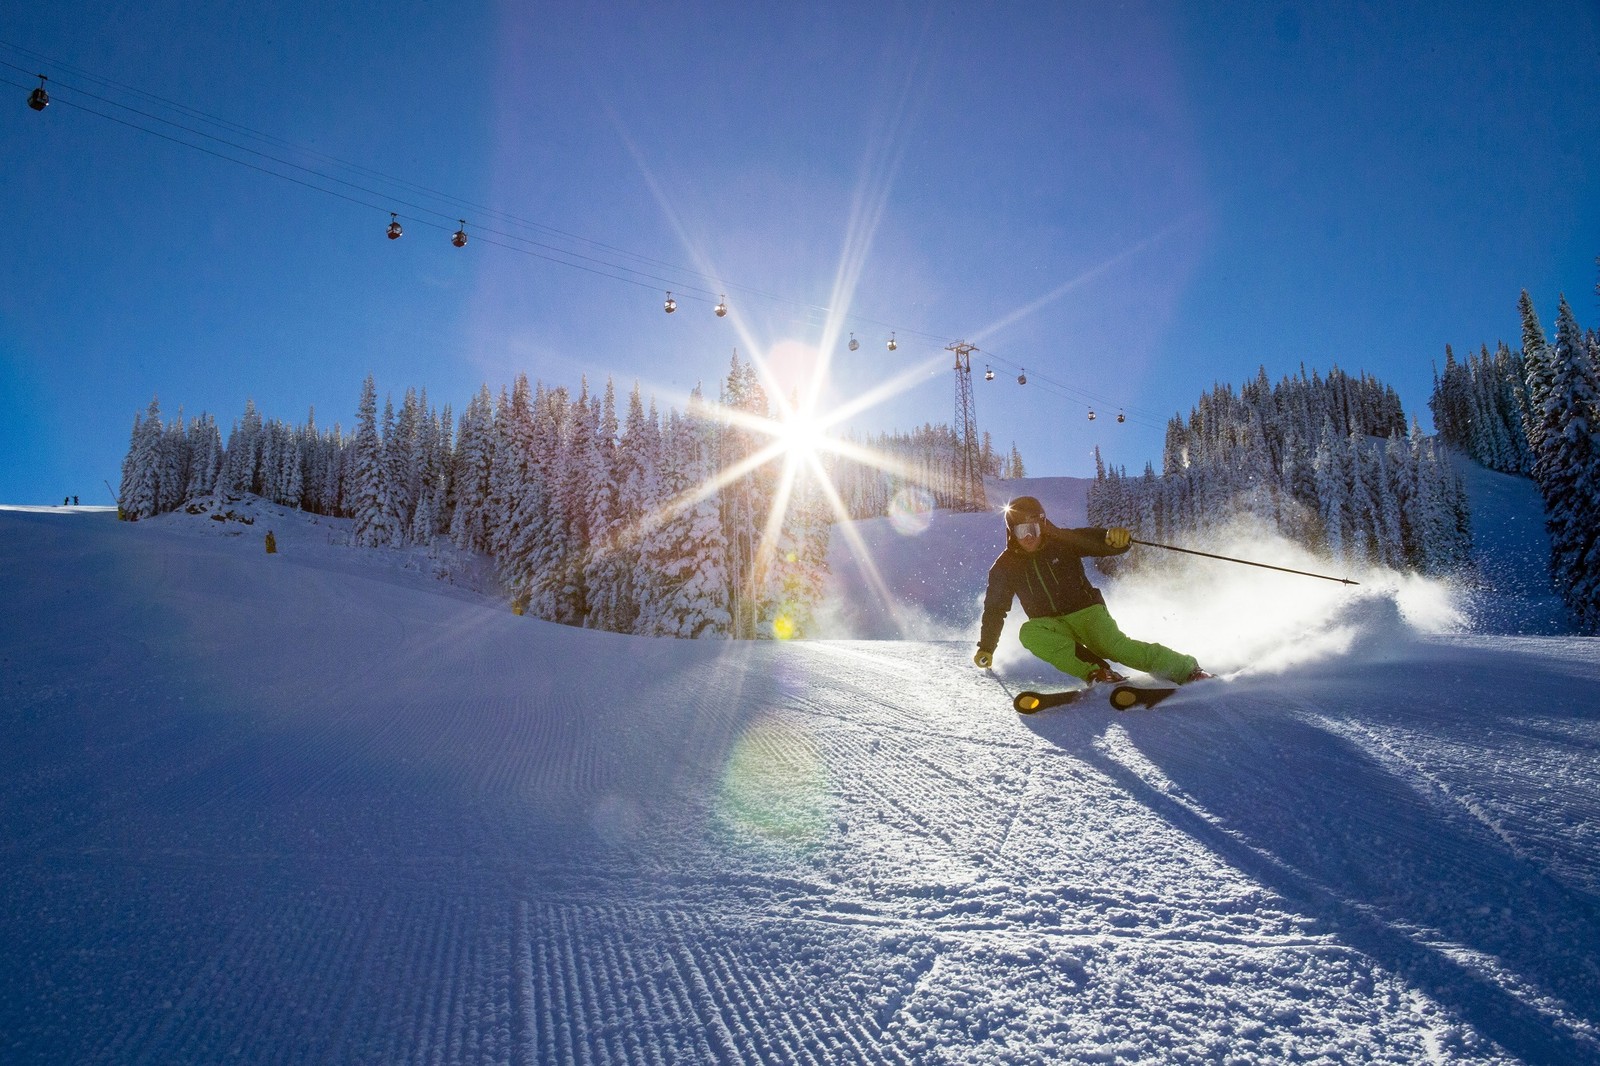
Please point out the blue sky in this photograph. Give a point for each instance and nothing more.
(1131, 203)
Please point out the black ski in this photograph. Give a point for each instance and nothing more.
(1031, 702)
(1127, 697)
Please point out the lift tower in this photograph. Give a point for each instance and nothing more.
(969, 494)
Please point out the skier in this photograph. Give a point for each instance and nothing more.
(1068, 625)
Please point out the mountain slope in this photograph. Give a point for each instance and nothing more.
(323, 806)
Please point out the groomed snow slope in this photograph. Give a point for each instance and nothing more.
(325, 807)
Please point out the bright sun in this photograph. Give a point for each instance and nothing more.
(801, 437)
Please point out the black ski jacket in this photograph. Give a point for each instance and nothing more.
(1049, 581)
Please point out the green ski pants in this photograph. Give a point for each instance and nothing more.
(1054, 639)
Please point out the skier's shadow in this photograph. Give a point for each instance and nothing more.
(1310, 816)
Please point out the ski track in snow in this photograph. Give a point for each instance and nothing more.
(306, 809)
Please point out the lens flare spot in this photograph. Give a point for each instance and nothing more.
(783, 628)
(775, 788)
(911, 512)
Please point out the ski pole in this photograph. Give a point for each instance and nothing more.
(1246, 562)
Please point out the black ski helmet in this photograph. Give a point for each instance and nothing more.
(1022, 509)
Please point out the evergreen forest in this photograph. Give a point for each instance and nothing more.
(1535, 412)
(631, 521)
(1328, 462)
(673, 524)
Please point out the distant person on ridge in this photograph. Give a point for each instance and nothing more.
(1068, 625)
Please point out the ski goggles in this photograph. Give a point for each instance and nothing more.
(1024, 530)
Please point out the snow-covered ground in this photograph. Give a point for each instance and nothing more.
(334, 805)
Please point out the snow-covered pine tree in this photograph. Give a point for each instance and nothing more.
(433, 440)
(1175, 450)
(312, 461)
(175, 463)
(512, 471)
(1015, 468)
(529, 559)
(686, 548)
(472, 462)
(154, 466)
(1334, 484)
(505, 476)
(1149, 504)
(1096, 511)
(130, 475)
(548, 541)
(1568, 467)
(290, 479)
(1508, 387)
(1484, 438)
(205, 442)
(745, 500)
(606, 566)
(617, 575)
(1538, 373)
(267, 462)
(140, 492)
(794, 576)
(373, 518)
(573, 488)
(1396, 540)
(402, 460)
(1451, 402)
(241, 469)
(447, 468)
(643, 494)
(1439, 515)
(1367, 487)
(1297, 501)
(391, 459)
(334, 450)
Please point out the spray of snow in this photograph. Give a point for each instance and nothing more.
(1231, 616)
(1228, 616)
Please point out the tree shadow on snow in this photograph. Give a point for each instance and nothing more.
(1310, 816)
